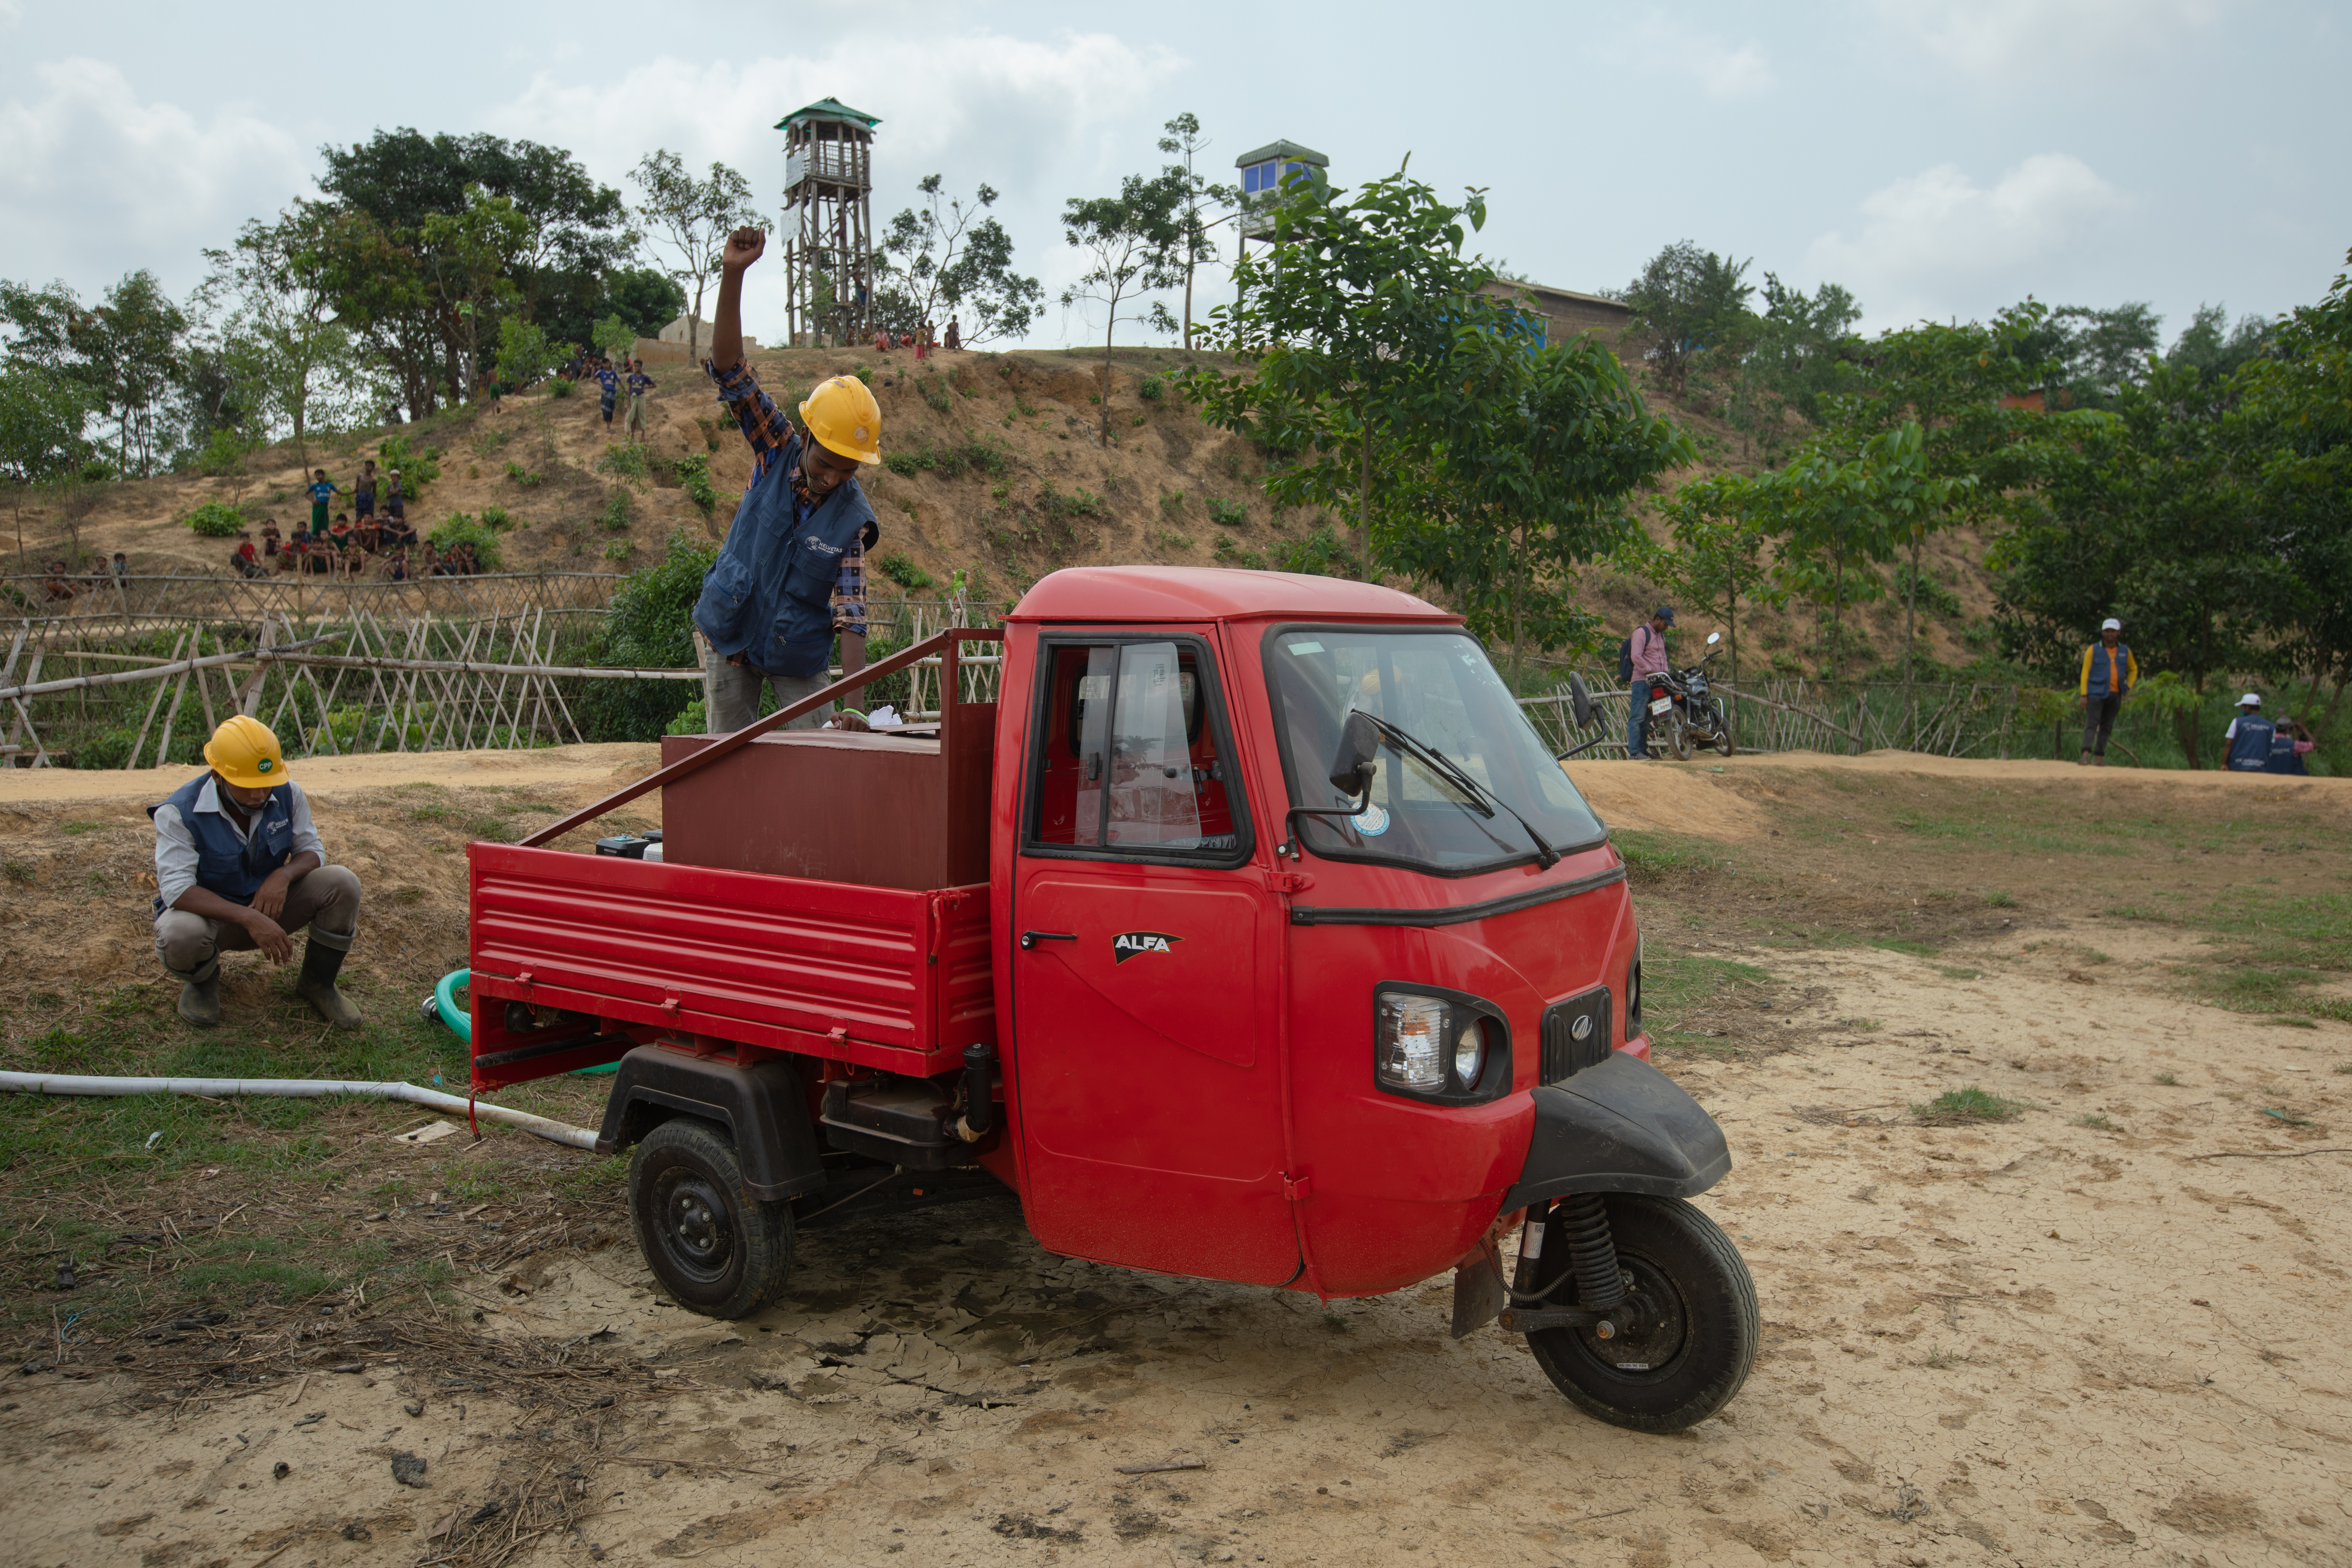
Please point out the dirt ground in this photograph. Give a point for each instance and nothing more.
(2105, 1330)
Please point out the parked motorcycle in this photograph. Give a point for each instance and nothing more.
(1684, 714)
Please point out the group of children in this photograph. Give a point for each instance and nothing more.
(347, 547)
(921, 340)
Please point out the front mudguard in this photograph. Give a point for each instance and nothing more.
(1619, 1126)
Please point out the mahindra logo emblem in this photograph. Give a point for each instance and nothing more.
(1582, 1028)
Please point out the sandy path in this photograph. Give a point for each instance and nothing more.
(324, 775)
(2035, 1342)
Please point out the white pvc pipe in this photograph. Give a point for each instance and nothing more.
(294, 1088)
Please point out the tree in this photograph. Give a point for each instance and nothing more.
(1535, 453)
(1688, 303)
(1183, 139)
(1129, 242)
(43, 415)
(1344, 323)
(275, 290)
(1718, 554)
(133, 349)
(948, 259)
(693, 218)
(1793, 356)
(468, 260)
(524, 353)
(2209, 345)
(2089, 355)
(379, 293)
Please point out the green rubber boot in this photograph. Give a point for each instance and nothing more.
(200, 994)
(323, 959)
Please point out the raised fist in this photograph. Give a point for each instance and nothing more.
(744, 247)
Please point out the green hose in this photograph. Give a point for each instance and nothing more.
(460, 1022)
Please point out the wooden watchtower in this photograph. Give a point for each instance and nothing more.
(829, 222)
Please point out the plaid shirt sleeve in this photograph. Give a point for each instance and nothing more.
(763, 423)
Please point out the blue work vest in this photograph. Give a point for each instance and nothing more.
(2250, 748)
(233, 867)
(2107, 670)
(768, 597)
(2284, 758)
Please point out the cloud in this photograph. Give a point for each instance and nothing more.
(95, 184)
(2001, 37)
(1662, 48)
(1936, 243)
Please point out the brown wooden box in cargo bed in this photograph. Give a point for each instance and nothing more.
(881, 810)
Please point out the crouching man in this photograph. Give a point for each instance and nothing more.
(237, 867)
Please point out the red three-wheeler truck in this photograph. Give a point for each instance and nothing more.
(1251, 933)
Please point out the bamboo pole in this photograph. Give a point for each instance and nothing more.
(157, 701)
(164, 742)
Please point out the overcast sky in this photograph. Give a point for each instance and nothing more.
(1940, 158)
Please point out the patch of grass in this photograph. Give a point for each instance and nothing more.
(17, 871)
(1676, 986)
(626, 461)
(2336, 1007)
(1939, 1358)
(432, 811)
(2093, 955)
(1999, 900)
(1864, 1025)
(900, 568)
(2136, 912)
(1651, 856)
(1231, 514)
(1957, 1107)
(79, 828)
(2286, 1023)
(1961, 973)
(2100, 1122)
(2170, 1080)
(1901, 944)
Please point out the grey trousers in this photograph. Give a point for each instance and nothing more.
(730, 694)
(326, 899)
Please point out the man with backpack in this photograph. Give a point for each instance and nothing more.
(2109, 673)
(1639, 659)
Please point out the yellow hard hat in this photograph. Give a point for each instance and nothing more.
(243, 752)
(845, 418)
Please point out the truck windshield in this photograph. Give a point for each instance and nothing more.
(1438, 688)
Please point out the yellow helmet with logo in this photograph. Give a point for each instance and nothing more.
(243, 752)
(845, 418)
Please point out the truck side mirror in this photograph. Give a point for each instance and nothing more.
(1360, 745)
(1579, 701)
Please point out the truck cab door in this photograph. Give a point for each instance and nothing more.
(1142, 975)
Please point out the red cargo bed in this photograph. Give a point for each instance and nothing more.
(885, 977)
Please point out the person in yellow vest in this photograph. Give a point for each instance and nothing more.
(237, 867)
(2109, 672)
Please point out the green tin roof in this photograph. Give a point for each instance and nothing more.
(1290, 150)
(830, 109)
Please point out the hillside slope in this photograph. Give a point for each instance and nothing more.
(999, 469)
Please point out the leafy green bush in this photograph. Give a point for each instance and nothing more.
(1151, 389)
(693, 472)
(650, 626)
(215, 520)
(864, 375)
(496, 517)
(418, 466)
(1080, 502)
(626, 461)
(900, 568)
(1231, 513)
(461, 528)
(692, 720)
(620, 510)
(1227, 553)
(529, 479)
(936, 395)
(560, 387)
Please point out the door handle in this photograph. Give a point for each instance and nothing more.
(1030, 938)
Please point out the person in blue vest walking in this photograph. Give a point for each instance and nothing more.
(2248, 737)
(766, 614)
(2109, 673)
(238, 866)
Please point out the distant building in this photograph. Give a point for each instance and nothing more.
(1263, 171)
(1564, 312)
(676, 332)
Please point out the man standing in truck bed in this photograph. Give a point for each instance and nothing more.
(766, 610)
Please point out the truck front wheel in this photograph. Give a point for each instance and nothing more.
(1689, 1328)
(712, 1245)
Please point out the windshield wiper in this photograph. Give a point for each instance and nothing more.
(1453, 773)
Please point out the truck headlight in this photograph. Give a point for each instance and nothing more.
(1445, 1046)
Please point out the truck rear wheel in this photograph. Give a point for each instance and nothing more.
(1691, 1328)
(712, 1245)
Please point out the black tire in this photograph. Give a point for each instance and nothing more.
(712, 1245)
(1692, 1334)
(1678, 734)
(1724, 743)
